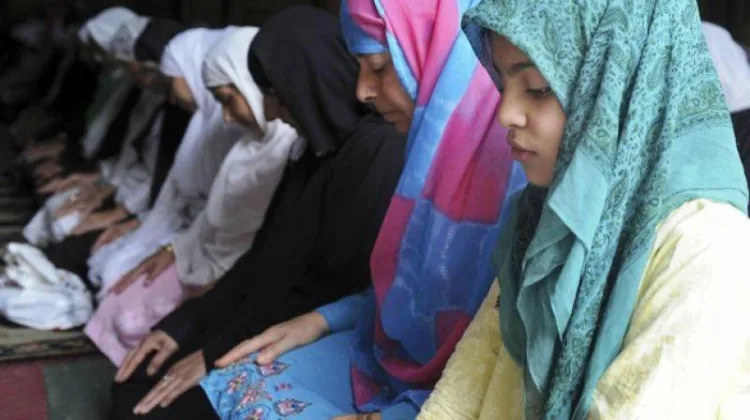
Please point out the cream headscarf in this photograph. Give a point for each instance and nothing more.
(103, 27)
(227, 64)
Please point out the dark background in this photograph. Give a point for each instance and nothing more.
(211, 12)
(731, 14)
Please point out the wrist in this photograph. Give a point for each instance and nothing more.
(320, 323)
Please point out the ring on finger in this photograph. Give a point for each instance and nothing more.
(166, 378)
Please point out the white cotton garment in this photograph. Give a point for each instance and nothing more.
(103, 27)
(236, 207)
(731, 62)
(39, 230)
(134, 188)
(36, 295)
(249, 176)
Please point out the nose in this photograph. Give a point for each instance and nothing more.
(367, 90)
(226, 115)
(511, 113)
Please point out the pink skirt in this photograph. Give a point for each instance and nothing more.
(122, 321)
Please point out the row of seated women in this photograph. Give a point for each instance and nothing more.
(444, 209)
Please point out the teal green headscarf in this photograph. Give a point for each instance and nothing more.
(647, 130)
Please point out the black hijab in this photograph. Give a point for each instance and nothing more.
(315, 244)
(307, 75)
(152, 42)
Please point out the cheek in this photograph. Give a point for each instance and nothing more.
(550, 125)
(396, 96)
(244, 112)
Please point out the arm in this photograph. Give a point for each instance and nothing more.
(136, 192)
(257, 313)
(687, 350)
(400, 411)
(342, 315)
(461, 391)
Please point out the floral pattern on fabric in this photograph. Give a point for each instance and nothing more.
(311, 382)
(289, 407)
(274, 369)
(249, 395)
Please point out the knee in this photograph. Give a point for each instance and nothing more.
(131, 327)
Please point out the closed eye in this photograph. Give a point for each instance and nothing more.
(540, 93)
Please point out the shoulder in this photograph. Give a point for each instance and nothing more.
(701, 247)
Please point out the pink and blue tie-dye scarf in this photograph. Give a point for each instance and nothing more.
(432, 262)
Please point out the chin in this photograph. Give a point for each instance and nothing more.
(538, 180)
(402, 127)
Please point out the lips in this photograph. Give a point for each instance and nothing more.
(517, 152)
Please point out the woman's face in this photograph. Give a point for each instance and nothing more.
(379, 86)
(235, 108)
(180, 94)
(530, 111)
(275, 109)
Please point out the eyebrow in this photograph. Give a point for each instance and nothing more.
(519, 67)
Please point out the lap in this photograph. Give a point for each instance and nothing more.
(193, 404)
(312, 382)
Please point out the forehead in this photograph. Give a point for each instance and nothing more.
(373, 58)
(504, 52)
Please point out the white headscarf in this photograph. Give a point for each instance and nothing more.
(183, 57)
(123, 42)
(731, 63)
(102, 27)
(227, 64)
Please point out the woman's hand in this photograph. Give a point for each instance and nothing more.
(45, 150)
(184, 375)
(151, 268)
(71, 181)
(85, 202)
(100, 220)
(46, 171)
(157, 342)
(114, 233)
(279, 339)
